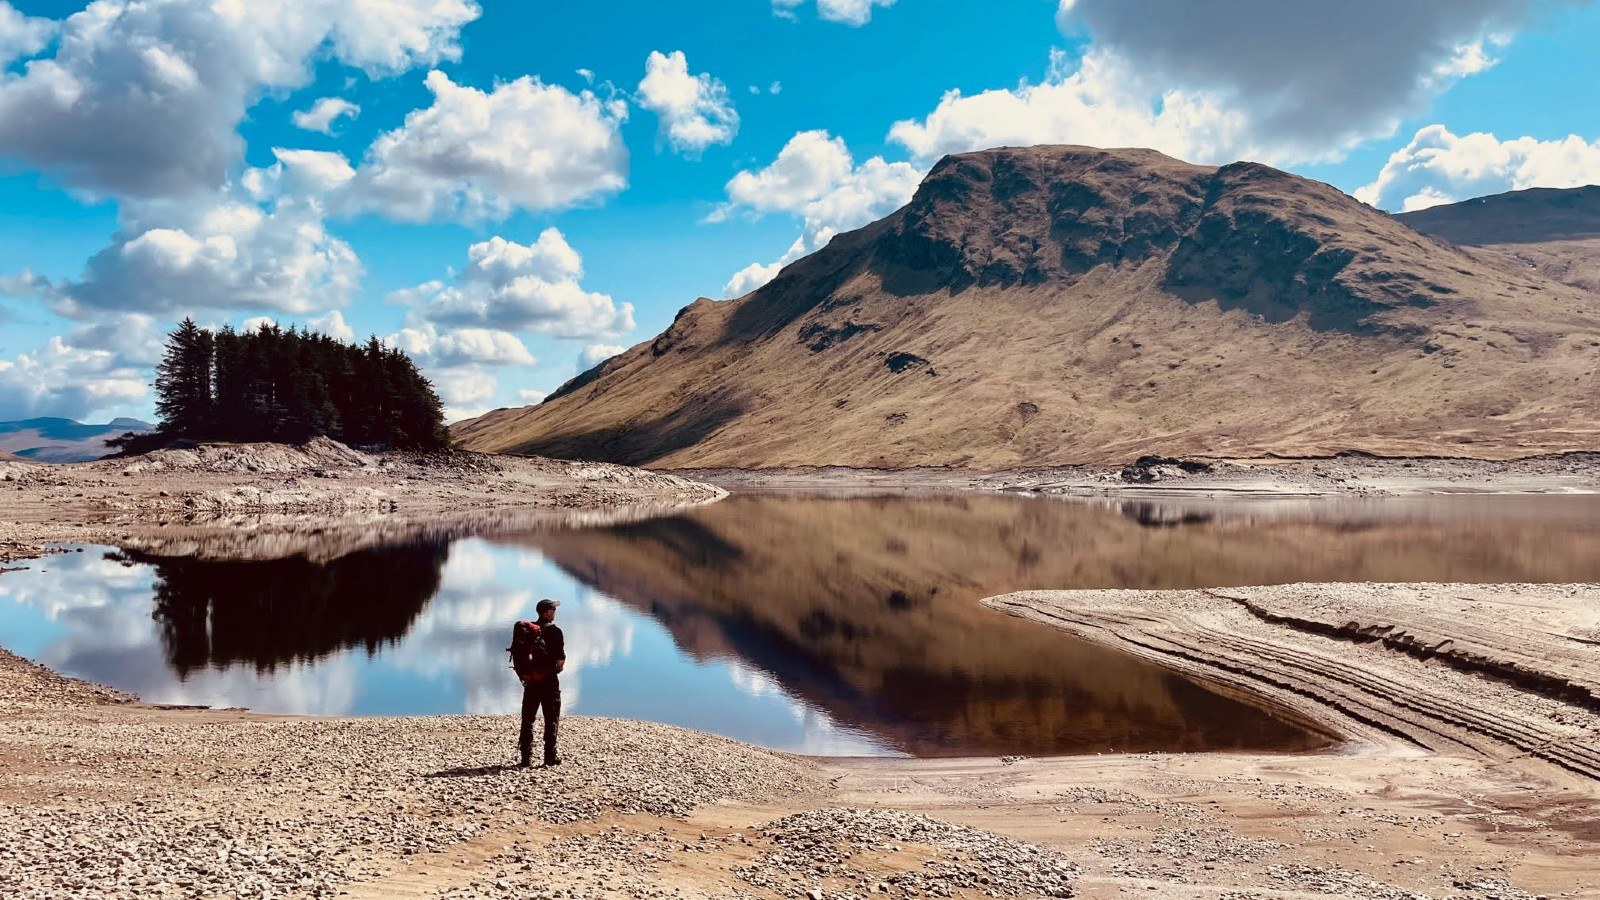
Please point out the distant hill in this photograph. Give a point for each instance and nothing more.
(55, 440)
(1061, 304)
(1555, 231)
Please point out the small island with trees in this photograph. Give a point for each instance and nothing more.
(288, 386)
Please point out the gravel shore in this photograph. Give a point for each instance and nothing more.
(103, 797)
(255, 500)
(106, 798)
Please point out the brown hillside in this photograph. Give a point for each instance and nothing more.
(1066, 304)
(1553, 231)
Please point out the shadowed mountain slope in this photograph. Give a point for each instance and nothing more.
(1554, 231)
(1066, 304)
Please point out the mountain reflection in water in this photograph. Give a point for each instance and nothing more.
(867, 607)
(833, 625)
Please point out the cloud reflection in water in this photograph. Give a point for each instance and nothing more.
(419, 630)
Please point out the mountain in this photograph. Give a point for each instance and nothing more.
(1554, 231)
(1060, 304)
(63, 440)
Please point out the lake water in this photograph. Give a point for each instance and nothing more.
(829, 625)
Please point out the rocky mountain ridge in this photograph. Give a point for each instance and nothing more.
(1556, 232)
(1050, 305)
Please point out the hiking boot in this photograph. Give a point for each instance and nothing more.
(552, 761)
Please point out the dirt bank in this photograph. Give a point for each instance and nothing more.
(252, 500)
(1352, 475)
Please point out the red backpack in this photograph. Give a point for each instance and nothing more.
(530, 658)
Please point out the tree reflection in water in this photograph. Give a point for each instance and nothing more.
(267, 613)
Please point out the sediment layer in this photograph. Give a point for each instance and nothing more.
(1499, 672)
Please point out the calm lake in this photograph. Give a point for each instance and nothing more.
(818, 624)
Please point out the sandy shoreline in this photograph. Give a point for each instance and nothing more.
(1472, 767)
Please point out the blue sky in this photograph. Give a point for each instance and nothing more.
(519, 189)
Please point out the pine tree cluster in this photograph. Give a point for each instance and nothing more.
(275, 384)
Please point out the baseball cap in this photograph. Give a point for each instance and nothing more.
(547, 603)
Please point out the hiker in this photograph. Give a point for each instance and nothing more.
(538, 654)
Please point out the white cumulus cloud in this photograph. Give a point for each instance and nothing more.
(521, 287)
(20, 35)
(809, 165)
(143, 97)
(460, 362)
(1437, 166)
(849, 12)
(815, 178)
(695, 110)
(333, 325)
(309, 173)
(1100, 102)
(63, 378)
(323, 113)
(465, 390)
(462, 346)
(476, 154)
(751, 277)
(461, 330)
(595, 354)
(224, 252)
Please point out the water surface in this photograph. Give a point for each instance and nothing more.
(818, 624)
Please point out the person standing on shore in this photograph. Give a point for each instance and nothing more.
(539, 655)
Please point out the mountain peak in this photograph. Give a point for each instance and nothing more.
(1062, 304)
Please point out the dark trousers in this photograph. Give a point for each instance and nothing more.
(536, 695)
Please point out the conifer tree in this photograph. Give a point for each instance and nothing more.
(183, 382)
(275, 384)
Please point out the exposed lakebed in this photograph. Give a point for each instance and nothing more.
(834, 625)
